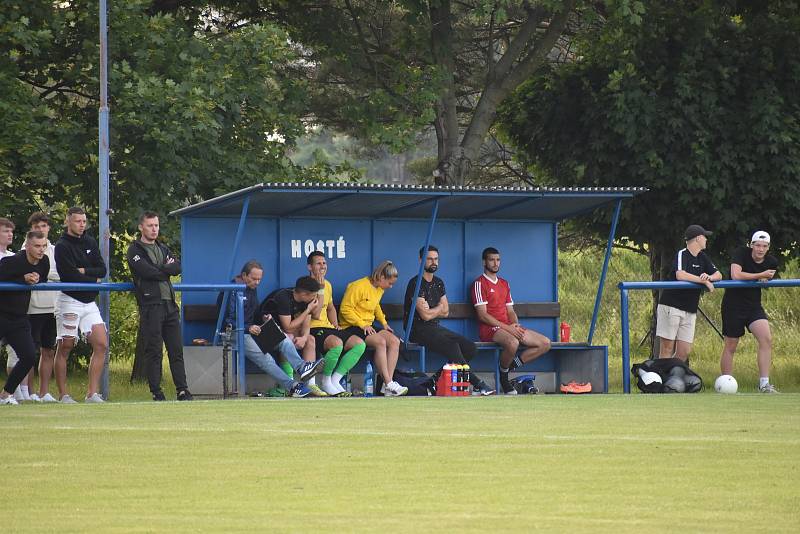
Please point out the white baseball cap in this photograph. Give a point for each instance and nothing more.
(760, 236)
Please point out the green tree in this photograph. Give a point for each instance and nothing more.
(385, 71)
(698, 103)
(193, 113)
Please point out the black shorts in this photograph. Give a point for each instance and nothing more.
(321, 334)
(735, 320)
(43, 329)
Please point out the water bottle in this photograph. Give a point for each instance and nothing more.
(369, 381)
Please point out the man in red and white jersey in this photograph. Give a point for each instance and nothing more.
(498, 322)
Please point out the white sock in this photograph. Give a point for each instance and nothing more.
(24, 390)
(328, 386)
(763, 381)
(312, 381)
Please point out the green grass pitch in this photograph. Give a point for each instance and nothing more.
(599, 463)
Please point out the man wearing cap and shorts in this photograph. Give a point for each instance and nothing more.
(676, 314)
(78, 260)
(741, 308)
(498, 322)
(341, 350)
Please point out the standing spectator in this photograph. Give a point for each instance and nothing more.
(498, 321)
(78, 260)
(431, 305)
(676, 314)
(341, 350)
(6, 237)
(29, 266)
(741, 308)
(361, 306)
(152, 264)
(41, 314)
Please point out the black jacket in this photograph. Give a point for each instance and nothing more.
(147, 275)
(13, 269)
(72, 253)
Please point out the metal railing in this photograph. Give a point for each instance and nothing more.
(624, 287)
(236, 289)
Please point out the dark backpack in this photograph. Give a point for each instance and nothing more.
(418, 384)
(669, 370)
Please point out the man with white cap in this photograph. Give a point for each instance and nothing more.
(742, 307)
(676, 314)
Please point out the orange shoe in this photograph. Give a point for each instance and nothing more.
(576, 387)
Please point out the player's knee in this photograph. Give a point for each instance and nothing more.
(331, 342)
(546, 344)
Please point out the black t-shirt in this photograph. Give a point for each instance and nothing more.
(13, 269)
(686, 299)
(432, 292)
(749, 297)
(280, 302)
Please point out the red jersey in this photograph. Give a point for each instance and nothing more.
(494, 295)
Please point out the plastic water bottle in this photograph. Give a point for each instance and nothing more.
(369, 381)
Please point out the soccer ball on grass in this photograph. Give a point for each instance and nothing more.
(726, 384)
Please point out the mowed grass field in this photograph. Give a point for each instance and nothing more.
(595, 463)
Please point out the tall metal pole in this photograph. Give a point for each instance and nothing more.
(105, 234)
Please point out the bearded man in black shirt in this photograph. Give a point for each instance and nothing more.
(430, 306)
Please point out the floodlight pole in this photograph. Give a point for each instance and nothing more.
(103, 142)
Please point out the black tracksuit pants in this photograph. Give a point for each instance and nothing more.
(440, 340)
(17, 333)
(159, 325)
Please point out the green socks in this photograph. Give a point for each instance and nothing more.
(287, 368)
(350, 358)
(331, 359)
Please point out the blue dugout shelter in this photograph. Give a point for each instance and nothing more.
(359, 225)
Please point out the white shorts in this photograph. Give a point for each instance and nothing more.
(672, 323)
(74, 317)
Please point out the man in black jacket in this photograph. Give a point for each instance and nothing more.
(78, 260)
(151, 265)
(29, 266)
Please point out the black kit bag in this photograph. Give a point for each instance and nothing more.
(418, 384)
(674, 376)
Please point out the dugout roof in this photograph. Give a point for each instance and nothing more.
(375, 201)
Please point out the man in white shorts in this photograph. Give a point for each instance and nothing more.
(677, 308)
(78, 260)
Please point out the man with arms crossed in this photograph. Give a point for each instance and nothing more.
(741, 308)
(152, 264)
(431, 305)
(78, 260)
(676, 314)
(498, 322)
(41, 314)
(341, 351)
(29, 266)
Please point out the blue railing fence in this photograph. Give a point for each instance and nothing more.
(237, 290)
(626, 287)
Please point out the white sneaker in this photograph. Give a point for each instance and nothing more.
(48, 398)
(393, 389)
(26, 396)
(35, 397)
(66, 399)
(18, 395)
(9, 400)
(94, 399)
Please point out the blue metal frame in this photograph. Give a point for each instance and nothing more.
(601, 285)
(231, 270)
(624, 287)
(410, 319)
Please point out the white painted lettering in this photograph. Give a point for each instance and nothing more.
(340, 250)
(295, 248)
(330, 243)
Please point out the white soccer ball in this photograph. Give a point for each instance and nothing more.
(726, 384)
